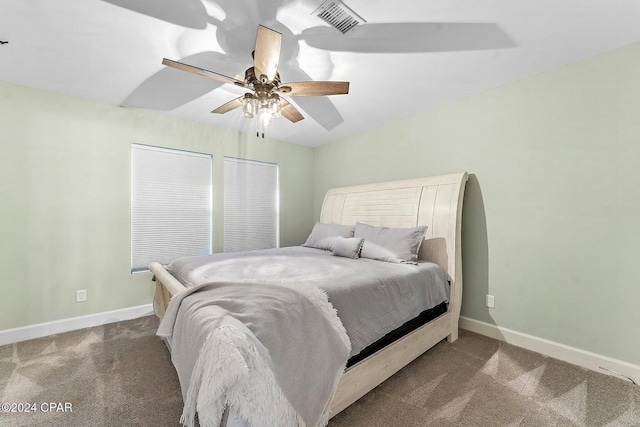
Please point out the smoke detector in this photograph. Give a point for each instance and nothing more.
(338, 15)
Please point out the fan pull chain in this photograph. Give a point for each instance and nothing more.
(260, 129)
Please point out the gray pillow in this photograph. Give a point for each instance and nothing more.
(323, 235)
(399, 245)
(348, 247)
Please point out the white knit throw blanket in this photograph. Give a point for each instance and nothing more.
(230, 372)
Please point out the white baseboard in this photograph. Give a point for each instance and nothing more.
(586, 359)
(9, 336)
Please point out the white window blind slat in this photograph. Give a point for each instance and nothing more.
(251, 205)
(171, 205)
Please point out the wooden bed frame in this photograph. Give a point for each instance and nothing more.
(432, 201)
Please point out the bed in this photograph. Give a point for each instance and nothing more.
(434, 202)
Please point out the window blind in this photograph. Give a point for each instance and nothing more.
(171, 205)
(251, 205)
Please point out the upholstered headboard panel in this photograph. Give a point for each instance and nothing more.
(432, 201)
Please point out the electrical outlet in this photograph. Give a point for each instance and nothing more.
(491, 301)
(81, 295)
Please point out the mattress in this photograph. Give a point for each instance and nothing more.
(372, 297)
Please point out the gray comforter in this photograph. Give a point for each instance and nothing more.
(273, 354)
(371, 297)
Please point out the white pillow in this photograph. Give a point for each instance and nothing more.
(323, 235)
(399, 245)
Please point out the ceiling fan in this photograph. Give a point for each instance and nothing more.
(263, 80)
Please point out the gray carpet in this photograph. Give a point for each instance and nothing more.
(121, 375)
(114, 375)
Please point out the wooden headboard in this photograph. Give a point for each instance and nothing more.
(434, 201)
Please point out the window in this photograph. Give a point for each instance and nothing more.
(171, 205)
(251, 205)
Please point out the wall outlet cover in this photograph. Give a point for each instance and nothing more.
(81, 295)
(491, 301)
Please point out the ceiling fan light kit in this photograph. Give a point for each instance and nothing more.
(265, 109)
(265, 101)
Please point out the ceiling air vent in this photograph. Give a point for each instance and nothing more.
(338, 15)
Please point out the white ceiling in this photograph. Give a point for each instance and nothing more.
(111, 51)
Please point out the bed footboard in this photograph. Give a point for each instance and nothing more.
(167, 287)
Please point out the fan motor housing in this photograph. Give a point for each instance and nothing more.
(261, 85)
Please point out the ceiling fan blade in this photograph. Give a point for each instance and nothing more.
(202, 72)
(314, 88)
(170, 88)
(319, 108)
(267, 53)
(231, 105)
(290, 112)
(410, 37)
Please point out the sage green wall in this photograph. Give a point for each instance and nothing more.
(550, 223)
(65, 199)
